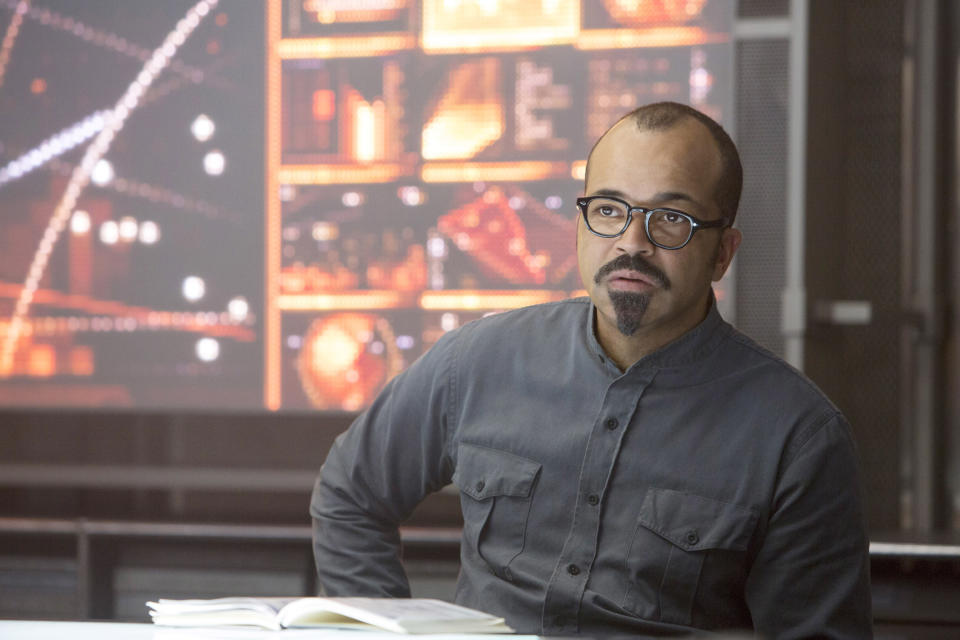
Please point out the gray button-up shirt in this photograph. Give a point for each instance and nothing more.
(709, 486)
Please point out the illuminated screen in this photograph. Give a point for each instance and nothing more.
(245, 205)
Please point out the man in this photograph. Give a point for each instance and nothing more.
(627, 463)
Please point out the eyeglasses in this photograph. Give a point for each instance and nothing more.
(609, 217)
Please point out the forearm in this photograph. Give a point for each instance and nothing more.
(356, 553)
(374, 476)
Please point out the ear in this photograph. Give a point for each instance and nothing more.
(729, 243)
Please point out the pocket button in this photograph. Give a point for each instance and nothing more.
(692, 537)
(480, 485)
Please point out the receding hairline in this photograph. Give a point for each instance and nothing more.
(664, 116)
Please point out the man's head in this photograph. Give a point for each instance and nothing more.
(669, 156)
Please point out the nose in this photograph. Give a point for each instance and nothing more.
(634, 239)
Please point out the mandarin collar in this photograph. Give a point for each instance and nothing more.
(687, 349)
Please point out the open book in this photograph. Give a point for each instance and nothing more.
(401, 615)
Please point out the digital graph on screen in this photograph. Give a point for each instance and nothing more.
(303, 195)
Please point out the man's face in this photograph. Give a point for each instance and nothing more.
(638, 288)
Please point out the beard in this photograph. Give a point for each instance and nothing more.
(630, 306)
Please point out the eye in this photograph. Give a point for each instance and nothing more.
(674, 218)
(607, 211)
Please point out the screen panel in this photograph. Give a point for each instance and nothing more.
(307, 198)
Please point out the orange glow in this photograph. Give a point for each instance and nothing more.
(640, 38)
(221, 20)
(493, 171)
(114, 310)
(578, 170)
(481, 300)
(324, 105)
(338, 173)
(337, 367)
(348, 300)
(81, 361)
(370, 46)
(332, 350)
(469, 116)
(472, 25)
(645, 12)
(273, 221)
(331, 11)
(38, 86)
(42, 361)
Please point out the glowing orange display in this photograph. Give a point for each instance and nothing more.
(472, 25)
(338, 364)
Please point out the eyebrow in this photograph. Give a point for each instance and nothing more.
(660, 197)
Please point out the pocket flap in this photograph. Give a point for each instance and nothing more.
(484, 473)
(695, 523)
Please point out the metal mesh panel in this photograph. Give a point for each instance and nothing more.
(762, 139)
(871, 268)
(763, 8)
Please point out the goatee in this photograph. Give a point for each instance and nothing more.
(630, 306)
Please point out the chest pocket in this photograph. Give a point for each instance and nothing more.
(496, 488)
(684, 542)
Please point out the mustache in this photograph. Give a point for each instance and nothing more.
(636, 263)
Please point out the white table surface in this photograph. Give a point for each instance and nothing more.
(44, 630)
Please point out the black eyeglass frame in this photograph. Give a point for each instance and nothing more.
(695, 223)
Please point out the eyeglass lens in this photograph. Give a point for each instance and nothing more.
(666, 228)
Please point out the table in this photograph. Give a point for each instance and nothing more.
(48, 630)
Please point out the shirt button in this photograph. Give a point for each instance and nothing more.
(692, 537)
(612, 423)
(573, 569)
(507, 574)
(480, 485)
(593, 499)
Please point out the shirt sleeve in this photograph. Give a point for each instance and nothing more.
(376, 472)
(811, 576)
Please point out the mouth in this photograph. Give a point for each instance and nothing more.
(624, 280)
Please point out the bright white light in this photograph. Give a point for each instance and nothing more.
(448, 321)
(202, 128)
(238, 308)
(411, 196)
(149, 232)
(516, 203)
(208, 349)
(351, 199)
(109, 232)
(102, 173)
(404, 342)
(80, 222)
(194, 288)
(436, 247)
(53, 147)
(214, 163)
(553, 202)
(128, 229)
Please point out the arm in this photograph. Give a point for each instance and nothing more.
(811, 575)
(376, 473)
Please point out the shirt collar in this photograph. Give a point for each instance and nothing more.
(687, 349)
